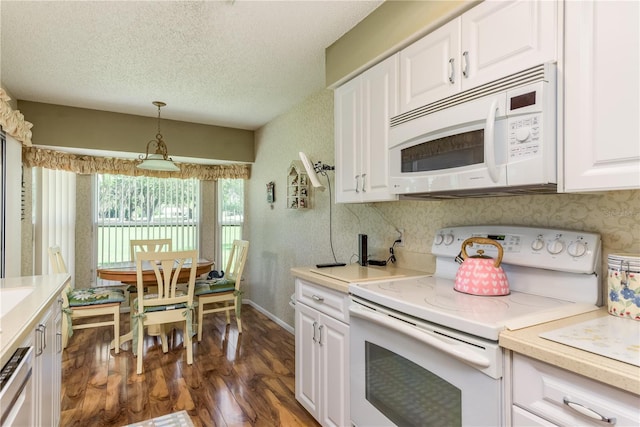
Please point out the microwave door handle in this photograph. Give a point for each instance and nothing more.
(489, 141)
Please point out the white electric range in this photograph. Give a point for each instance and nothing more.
(424, 353)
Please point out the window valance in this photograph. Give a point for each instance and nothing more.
(13, 122)
(86, 164)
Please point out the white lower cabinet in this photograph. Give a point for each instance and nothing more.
(47, 369)
(322, 353)
(545, 395)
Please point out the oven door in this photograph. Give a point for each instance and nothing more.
(408, 374)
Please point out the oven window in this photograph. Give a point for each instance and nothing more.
(445, 153)
(408, 394)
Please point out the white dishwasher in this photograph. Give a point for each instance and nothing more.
(16, 389)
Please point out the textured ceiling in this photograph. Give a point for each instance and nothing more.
(228, 63)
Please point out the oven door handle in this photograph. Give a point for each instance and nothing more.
(422, 335)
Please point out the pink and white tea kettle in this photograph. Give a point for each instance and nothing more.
(480, 274)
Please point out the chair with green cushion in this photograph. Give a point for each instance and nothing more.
(224, 294)
(169, 305)
(87, 302)
(145, 245)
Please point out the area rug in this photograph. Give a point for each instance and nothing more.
(177, 419)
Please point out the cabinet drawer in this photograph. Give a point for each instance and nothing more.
(543, 389)
(327, 301)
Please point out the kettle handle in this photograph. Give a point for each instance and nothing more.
(483, 240)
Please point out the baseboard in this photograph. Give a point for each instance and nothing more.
(279, 321)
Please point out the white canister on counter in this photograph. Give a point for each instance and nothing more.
(624, 285)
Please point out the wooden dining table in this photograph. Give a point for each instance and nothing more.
(126, 273)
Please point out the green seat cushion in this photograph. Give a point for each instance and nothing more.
(94, 296)
(204, 287)
(151, 308)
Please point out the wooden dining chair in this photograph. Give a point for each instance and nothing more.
(148, 245)
(224, 294)
(170, 305)
(86, 302)
(144, 245)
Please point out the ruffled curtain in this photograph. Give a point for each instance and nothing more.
(85, 164)
(13, 122)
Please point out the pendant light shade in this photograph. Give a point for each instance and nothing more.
(160, 160)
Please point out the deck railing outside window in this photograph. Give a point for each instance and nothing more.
(230, 215)
(144, 208)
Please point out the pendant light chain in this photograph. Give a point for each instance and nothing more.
(159, 160)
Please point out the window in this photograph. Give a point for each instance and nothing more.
(143, 207)
(230, 215)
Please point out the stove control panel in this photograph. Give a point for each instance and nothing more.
(553, 249)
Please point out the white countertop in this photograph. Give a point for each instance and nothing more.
(528, 341)
(20, 317)
(338, 278)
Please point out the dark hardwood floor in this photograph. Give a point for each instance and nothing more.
(236, 379)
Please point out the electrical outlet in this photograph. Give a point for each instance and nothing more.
(401, 237)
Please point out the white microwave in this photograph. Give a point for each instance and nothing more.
(500, 138)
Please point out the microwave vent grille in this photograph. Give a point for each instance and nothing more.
(531, 75)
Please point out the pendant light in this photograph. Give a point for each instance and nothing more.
(160, 160)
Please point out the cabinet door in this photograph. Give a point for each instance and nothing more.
(522, 418)
(348, 134)
(334, 372)
(503, 37)
(601, 99)
(57, 362)
(379, 104)
(307, 358)
(44, 368)
(430, 67)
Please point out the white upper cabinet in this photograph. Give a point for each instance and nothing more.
(363, 107)
(430, 67)
(503, 37)
(488, 42)
(601, 95)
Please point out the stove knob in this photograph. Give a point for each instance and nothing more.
(537, 244)
(577, 249)
(438, 240)
(448, 239)
(555, 247)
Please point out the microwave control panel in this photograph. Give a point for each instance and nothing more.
(525, 135)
